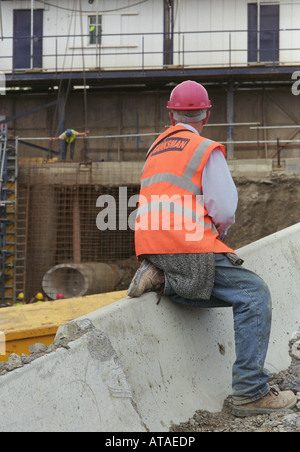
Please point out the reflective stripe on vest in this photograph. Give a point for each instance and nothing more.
(184, 181)
(172, 207)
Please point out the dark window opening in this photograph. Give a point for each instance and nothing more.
(263, 33)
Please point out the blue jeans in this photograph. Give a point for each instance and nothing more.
(251, 302)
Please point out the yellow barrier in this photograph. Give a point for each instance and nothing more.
(22, 326)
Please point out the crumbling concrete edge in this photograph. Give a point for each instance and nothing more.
(73, 331)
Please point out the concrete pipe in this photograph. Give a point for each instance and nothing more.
(77, 280)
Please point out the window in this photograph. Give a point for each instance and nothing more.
(22, 39)
(95, 29)
(263, 33)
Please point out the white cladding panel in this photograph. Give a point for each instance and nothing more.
(206, 33)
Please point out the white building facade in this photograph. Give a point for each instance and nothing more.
(122, 35)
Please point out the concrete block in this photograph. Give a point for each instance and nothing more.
(83, 389)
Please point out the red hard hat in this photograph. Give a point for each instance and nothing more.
(189, 95)
(60, 296)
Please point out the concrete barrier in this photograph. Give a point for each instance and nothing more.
(143, 366)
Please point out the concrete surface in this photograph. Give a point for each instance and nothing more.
(143, 366)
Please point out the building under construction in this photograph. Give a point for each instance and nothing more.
(108, 67)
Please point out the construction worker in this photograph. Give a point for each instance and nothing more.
(20, 299)
(93, 35)
(39, 298)
(69, 137)
(187, 204)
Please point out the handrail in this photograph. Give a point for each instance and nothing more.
(257, 142)
(145, 50)
(130, 135)
(275, 127)
(155, 33)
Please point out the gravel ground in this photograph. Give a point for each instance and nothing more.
(203, 421)
(288, 421)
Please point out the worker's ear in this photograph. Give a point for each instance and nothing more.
(205, 121)
(172, 119)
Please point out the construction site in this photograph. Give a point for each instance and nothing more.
(105, 70)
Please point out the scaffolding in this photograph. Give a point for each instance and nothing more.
(8, 175)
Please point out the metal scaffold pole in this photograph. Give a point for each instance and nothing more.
(31, 34)
(8, 173)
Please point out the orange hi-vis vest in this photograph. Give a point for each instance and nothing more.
(172, 218)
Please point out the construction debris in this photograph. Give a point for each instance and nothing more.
(204, 421)
(289, 421)
(75, 329)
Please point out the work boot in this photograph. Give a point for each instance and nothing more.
(274, 401)
(147, 279)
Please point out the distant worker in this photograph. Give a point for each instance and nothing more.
(69, 136)
(20, 300)
(39, 298)
(60, 296)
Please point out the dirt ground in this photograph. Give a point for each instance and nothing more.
(224, 421)
(206, 422)
(265, 206)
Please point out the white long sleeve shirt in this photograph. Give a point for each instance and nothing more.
(219, 190)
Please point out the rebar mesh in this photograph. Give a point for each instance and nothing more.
(57, 226)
